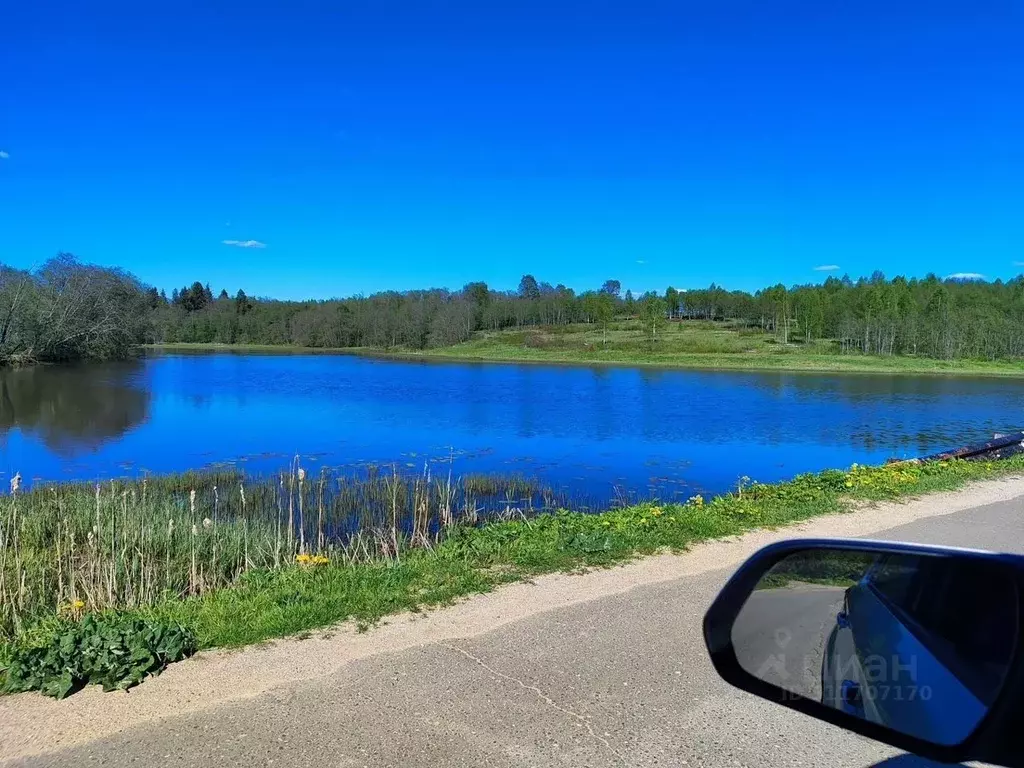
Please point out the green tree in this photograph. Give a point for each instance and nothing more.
(242, 303)
(604, 308)
(528, 288)
(652, 313)
(672, 301)
(478, 293)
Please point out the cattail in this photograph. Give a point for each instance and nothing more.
(193, 581)
(15, 484)
(245, 529)
(302, 524)
(192, 500)
(207, 524)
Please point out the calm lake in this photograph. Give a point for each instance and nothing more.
(591, 432)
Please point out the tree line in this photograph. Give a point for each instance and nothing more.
(68, 310)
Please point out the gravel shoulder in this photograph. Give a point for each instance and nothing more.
(32, 725)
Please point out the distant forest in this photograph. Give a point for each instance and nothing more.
(69, 310)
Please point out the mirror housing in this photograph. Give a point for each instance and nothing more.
(996, 738)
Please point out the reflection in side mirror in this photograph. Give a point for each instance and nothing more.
(918, 643)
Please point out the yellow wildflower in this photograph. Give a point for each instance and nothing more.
(303, 558)
(76, 605)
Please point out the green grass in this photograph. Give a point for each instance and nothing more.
(692, 344)
(265, 603)
(823, 567)
(686, 344)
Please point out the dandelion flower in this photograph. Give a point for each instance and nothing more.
(78, 604)
(207, 522)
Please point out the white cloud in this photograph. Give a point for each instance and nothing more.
(965, 276)
(827, 268)
(641, 261)
(3, 155)
(1018, 263)
(245, 243)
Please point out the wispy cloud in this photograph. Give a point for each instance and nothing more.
(965, 276)
(1018, 263)
(3, 155)
(641, 261)
(245, 243)
(827, 268)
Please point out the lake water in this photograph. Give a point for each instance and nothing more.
(593, 432)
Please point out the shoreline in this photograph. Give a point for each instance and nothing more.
(715, 362)
(33, 725)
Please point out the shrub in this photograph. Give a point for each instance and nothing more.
(116, 652)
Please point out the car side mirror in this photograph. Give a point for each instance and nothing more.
(914, 646)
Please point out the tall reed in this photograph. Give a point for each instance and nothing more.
(71, 547)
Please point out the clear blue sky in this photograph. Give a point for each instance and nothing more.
(373, 145)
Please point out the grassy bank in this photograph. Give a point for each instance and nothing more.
(132, 544)
(476, 559)
(693, 344)
(248, 575)
(689, 344)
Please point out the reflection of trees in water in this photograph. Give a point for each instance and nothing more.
(73, 408)
(914, 414)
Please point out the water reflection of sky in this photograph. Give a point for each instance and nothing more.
(583, 429)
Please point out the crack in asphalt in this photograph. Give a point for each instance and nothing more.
(543, 697)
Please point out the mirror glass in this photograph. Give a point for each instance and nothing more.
(918, 643)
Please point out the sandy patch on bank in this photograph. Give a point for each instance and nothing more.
(32, 724)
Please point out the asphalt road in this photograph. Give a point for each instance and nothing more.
(623, 680)
(780, 635)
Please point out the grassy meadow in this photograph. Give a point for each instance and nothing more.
(699, 344)
(694, 344)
